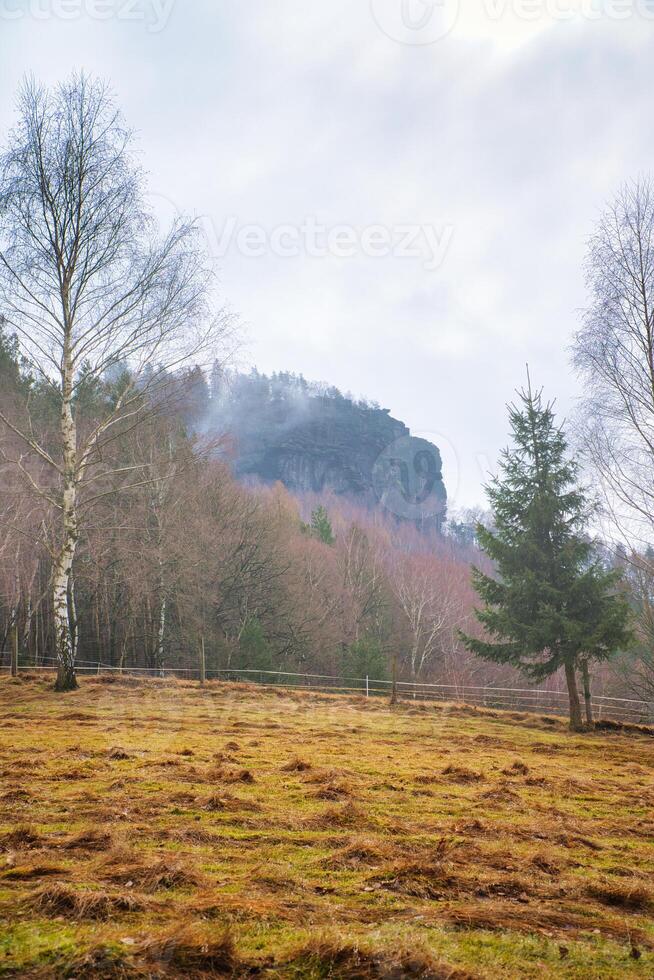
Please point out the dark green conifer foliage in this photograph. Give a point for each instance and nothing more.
(552, 604)
(321, 526)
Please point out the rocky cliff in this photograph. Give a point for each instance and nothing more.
(313, 438)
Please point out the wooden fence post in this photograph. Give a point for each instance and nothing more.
(14, 650)
(203, 662)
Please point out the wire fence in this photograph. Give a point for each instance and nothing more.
(534, 700)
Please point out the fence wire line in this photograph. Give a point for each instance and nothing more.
(507, 698)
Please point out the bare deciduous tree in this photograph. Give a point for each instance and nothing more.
(614, 352)
(92, 291)
(424, 589)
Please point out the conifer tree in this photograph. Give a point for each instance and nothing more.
(551, 605)
(321, 526)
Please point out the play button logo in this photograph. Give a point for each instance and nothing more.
(415, 22)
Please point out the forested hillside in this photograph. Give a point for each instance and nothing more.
(264, 577)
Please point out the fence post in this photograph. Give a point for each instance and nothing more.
(367, 687)
(14, 650)
(203, 662)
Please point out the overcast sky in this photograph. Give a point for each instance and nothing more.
(322, 140)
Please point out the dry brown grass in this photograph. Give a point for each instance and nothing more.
(231, 776)
(226, 803)
(296, 765)
(63, 900)
(346, 816)
(632, 895)
(350, 962)
(20, 838)
(361, 851)
(89, 840)
(459, 774)
(160, 830)
(33, 872)
(150, 877)
(188, 951)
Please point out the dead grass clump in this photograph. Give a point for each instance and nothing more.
(546, 748)
(21, 838)
(230, 776)
(350, 962)
(459, 774)
(424, 780)
(499, 916)
(32, 872)
(536, 781)
(362, 851)
(62, 900)
(325, 775)
(153, 685)
(515, 888)
(226, 803)
(183, 797)
(102, 963)
(188, 950)
(89, 840)
(117, 753)
(420, 880)
(473, 827)
(339, 816)
(296, 765)
(153, 877)
(193, 835)
(544, 863)
(570, 840)
(333, 792)
(501, 794)
(495, 917)
(74, 775)
(625, 727)
(517, 769)
(232, 746)
(634, 896)
(16, 795)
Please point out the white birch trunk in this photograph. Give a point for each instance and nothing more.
(161, 635)
(63, 568)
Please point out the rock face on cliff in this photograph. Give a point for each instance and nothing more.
(313, 438)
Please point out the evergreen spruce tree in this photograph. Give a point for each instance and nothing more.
(321, 526)
(552, 604)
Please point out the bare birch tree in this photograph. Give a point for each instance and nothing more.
(425, 594)
(92, 291)
(614, 353)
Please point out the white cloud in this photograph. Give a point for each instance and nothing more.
(513, 131)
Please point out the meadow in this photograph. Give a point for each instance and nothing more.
(161, 829)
